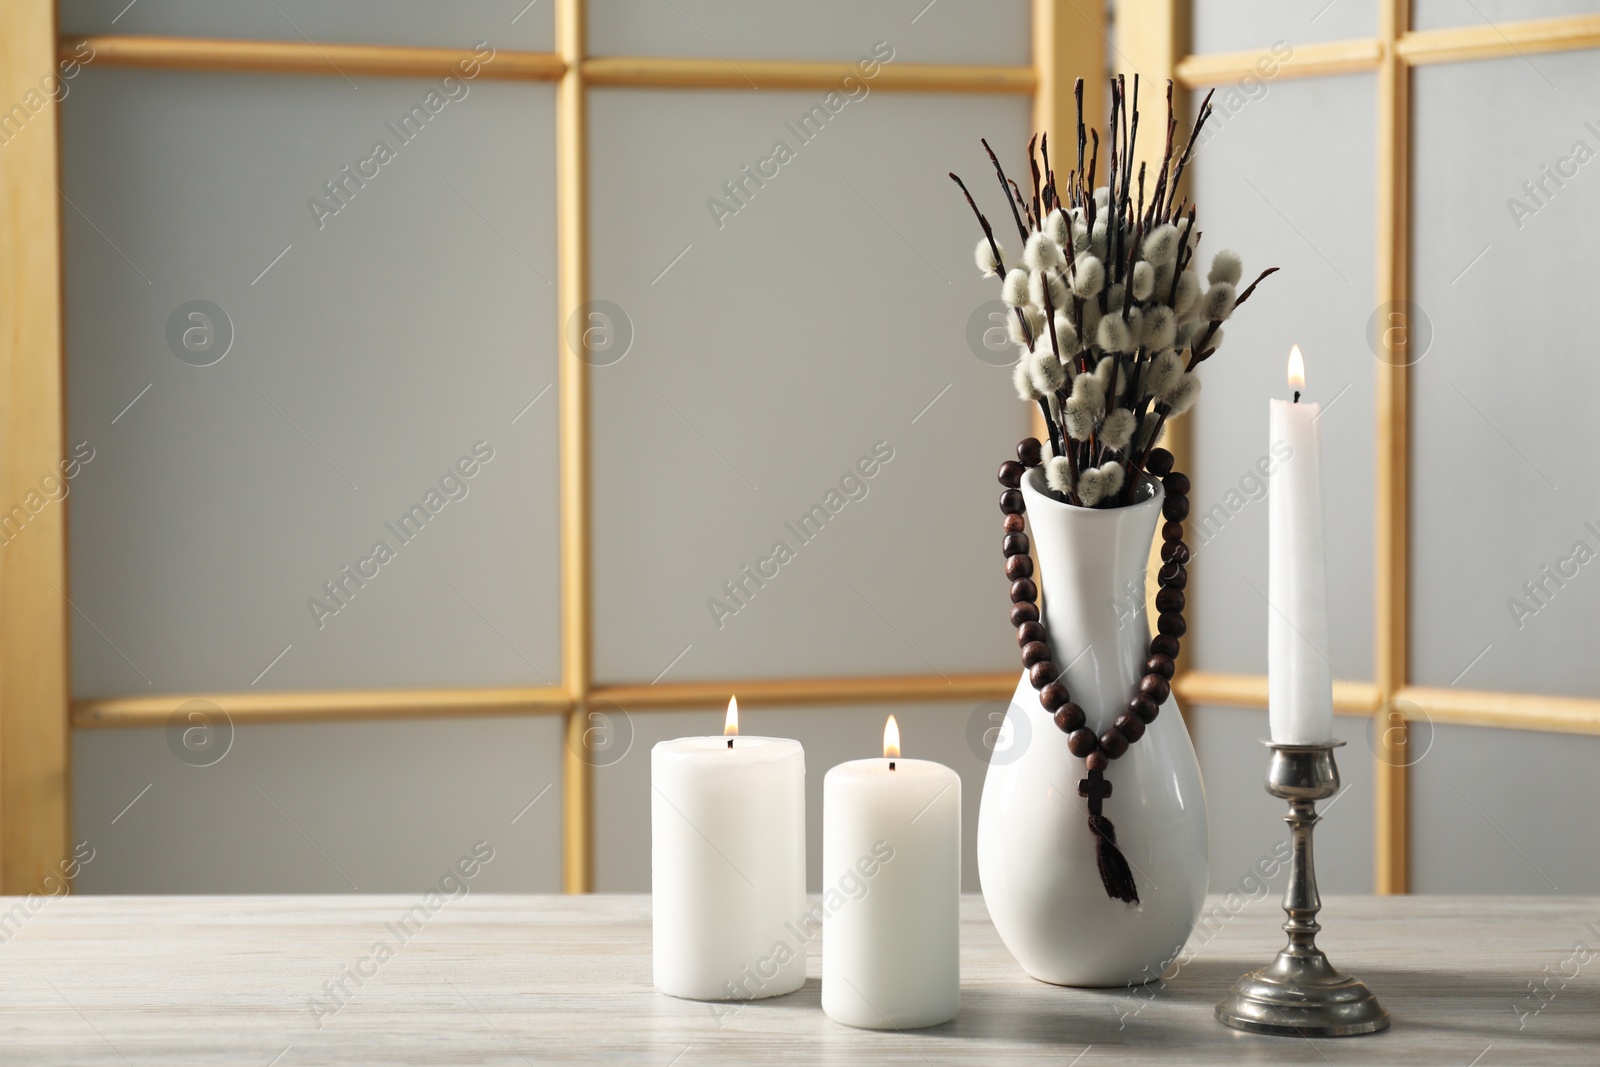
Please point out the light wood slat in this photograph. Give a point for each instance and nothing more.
(1151, 36)
(1068, 44)
(1307, 61)
(1152, 39)
(1500, 40)
(577, 807)
(650, 72)
(305, 57)
(301, 57)
(1393, 448)
(517, 979)
(325, 705)
(797, 692)
(1250, 691)
(1517, 711)
(34, 775)
(1511, 711)
(572, 251)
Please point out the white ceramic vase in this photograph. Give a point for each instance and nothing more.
(1036, 854)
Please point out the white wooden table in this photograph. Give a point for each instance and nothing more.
(523, 979)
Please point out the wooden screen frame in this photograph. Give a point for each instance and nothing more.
(1152, 37)
(36, 713)
(1391, 55)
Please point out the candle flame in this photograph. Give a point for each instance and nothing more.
(891, 739)
(730, 726)
(1297, 369)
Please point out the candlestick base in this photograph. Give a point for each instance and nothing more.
(1301, 994)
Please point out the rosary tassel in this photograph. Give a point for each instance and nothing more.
(1114, 872)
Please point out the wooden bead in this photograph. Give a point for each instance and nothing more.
(1169, 600)
(1113, 744)
(1144, 709)
(1175, 508)
(1173, 576)
(1172, 531)
(1155, 687)
(1168, 622)
(1011, 474)
(1175, 552)
(1176, 483)
(1096, 761)
(1082, 741)
(1053, 696)
(1011, 502)
(1042, 674)
(1069, 718)
(1164, 644)
(1130, 726)
(1014, 524)
(1019, 567)
(1032, 630)
(1015, 544)
(1021, 613)
(1029, 451)
(1023, 590)
(1035, 652)
(1162, 665)
(1159, 462)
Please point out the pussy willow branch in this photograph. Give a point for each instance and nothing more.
(1198, 353)
(1126, 221)
(1194, 136)
(1033, 166)
(994, 246)
(1005, 190)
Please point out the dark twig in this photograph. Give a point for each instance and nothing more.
(1158, 197)
(1027, 212)
(1094, 158)
(1052, 199)
(988, 231)
(994, 246)
(1005, 189)
(1252, 288)
(1199, 353)
(1194, 136)
(1033, 165)
(1178, 263)
(1077, 93)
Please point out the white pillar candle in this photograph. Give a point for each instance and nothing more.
(728, 865)
(1299, 673)
(891, 881)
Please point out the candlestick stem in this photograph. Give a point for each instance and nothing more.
(1300, 899)
(1301, 994)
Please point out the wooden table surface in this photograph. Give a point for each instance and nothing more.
(492, 979)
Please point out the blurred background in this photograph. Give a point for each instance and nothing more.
(578, 341)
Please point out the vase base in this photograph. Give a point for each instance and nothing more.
(1081, 983)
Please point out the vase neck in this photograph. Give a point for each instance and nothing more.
(1092, 570)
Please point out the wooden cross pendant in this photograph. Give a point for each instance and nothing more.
(1095, 788)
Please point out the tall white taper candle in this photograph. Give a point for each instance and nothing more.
(1299, 672)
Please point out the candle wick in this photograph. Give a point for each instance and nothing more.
(891, 765)
(730, 742)
(1297, 396)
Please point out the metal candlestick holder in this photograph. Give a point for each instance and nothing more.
(1301, 994)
